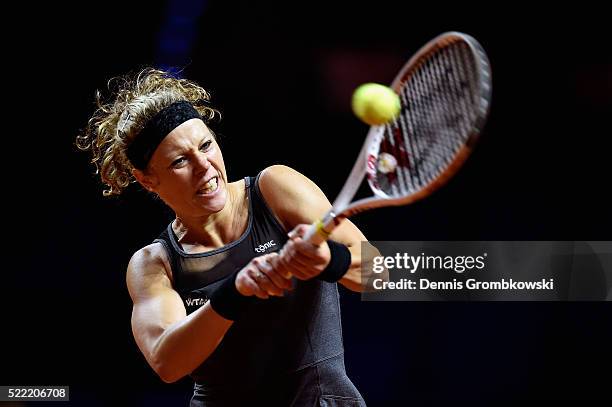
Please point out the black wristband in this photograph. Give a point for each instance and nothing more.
(227, 301)
(338, 264)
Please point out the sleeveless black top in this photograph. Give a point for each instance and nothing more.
(274, 337)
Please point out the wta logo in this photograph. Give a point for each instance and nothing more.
(195, 302)
(263, 247)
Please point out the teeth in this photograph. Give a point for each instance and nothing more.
(210, 186)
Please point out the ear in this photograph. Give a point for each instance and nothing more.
(148, 181)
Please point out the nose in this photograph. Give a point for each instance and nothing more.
(201, 163)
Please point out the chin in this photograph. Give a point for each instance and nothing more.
(218, 203)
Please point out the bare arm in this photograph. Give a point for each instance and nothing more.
(173, 343)
(297, 200)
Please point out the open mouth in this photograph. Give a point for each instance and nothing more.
(210, 187)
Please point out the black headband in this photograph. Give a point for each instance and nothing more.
(142, 148)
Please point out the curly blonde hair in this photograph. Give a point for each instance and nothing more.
(114, 125)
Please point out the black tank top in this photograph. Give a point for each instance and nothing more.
(275, 336)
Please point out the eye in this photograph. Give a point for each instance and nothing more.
(206, 145)
(178, 162)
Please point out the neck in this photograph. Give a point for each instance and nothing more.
(218, 229)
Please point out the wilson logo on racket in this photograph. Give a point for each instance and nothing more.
(371, 168)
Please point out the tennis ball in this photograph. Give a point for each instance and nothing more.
(375, 104)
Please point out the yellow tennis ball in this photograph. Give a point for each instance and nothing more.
(375, 104)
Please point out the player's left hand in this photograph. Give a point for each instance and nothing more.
(300, 258)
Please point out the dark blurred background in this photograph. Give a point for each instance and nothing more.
(283, 74)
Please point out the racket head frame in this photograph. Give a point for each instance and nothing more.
(365, 165)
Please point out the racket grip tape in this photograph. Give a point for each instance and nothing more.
(317, 234)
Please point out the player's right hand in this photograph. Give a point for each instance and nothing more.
(259, 278)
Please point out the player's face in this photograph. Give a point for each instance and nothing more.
(189, 170)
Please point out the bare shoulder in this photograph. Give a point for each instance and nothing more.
(148, 268)
(292, 196)
(280, 180)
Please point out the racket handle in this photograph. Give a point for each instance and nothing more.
(320, 230)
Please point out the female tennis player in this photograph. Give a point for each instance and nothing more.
(212, 297)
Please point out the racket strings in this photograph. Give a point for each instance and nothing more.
(439, 105)
(430, 115)
(418, 136)
(466, 78)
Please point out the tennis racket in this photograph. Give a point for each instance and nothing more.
(445, 92)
